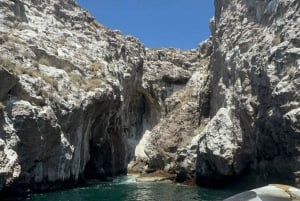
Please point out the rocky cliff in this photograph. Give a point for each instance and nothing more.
(79, 101)
(254, 92)
(240, 113)
(76, 97)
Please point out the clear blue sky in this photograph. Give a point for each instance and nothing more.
(156, 23)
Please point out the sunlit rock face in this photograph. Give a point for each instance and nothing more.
(246, 117)
(76, 97)
(69, 97)
(254, 80)
(79, 101)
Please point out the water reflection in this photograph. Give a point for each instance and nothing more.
(126, 189)
(142, 192)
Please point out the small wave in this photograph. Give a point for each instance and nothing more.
(125, 180)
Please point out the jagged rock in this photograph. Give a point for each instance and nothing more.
(175, 129)
(80, 101)
(219, 149)
(219, 139)
(82, 95)
(75, 103)
(9, 169)
(254, 77)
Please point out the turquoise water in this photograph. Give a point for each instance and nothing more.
(126, 189)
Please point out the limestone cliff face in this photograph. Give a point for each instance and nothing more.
(254, 92)
(245, 118)
(79, 101)
(70, 90)
(76, 97)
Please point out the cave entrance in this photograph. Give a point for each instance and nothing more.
(107, 149)
(115, 135)
(144, 115)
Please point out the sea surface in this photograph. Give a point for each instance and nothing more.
(127, 189)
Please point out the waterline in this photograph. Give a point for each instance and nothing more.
(127, 189)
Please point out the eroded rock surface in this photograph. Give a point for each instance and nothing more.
(79, 101)
(76, 97)
(76, 94)
(254, 56)
(248, 109)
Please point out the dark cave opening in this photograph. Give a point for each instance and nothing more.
(115, 134)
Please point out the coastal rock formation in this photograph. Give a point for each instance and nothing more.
(79, 101)
(76, 97)
(254, 71)
(68, 87)
(248, 109)
(180, 116)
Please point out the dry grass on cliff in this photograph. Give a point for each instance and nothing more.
(96, 66)
(22, 27)
(33, 72)
(6, 63)
(44, 61)
(92, 84)
(15, 68)
(8, 38)
(50, 80)
(187, 96)
(18, 69)
(85, 84)
(76, 79)
(48, 60)
(62, 41)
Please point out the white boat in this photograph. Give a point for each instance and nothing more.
(272, 192)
